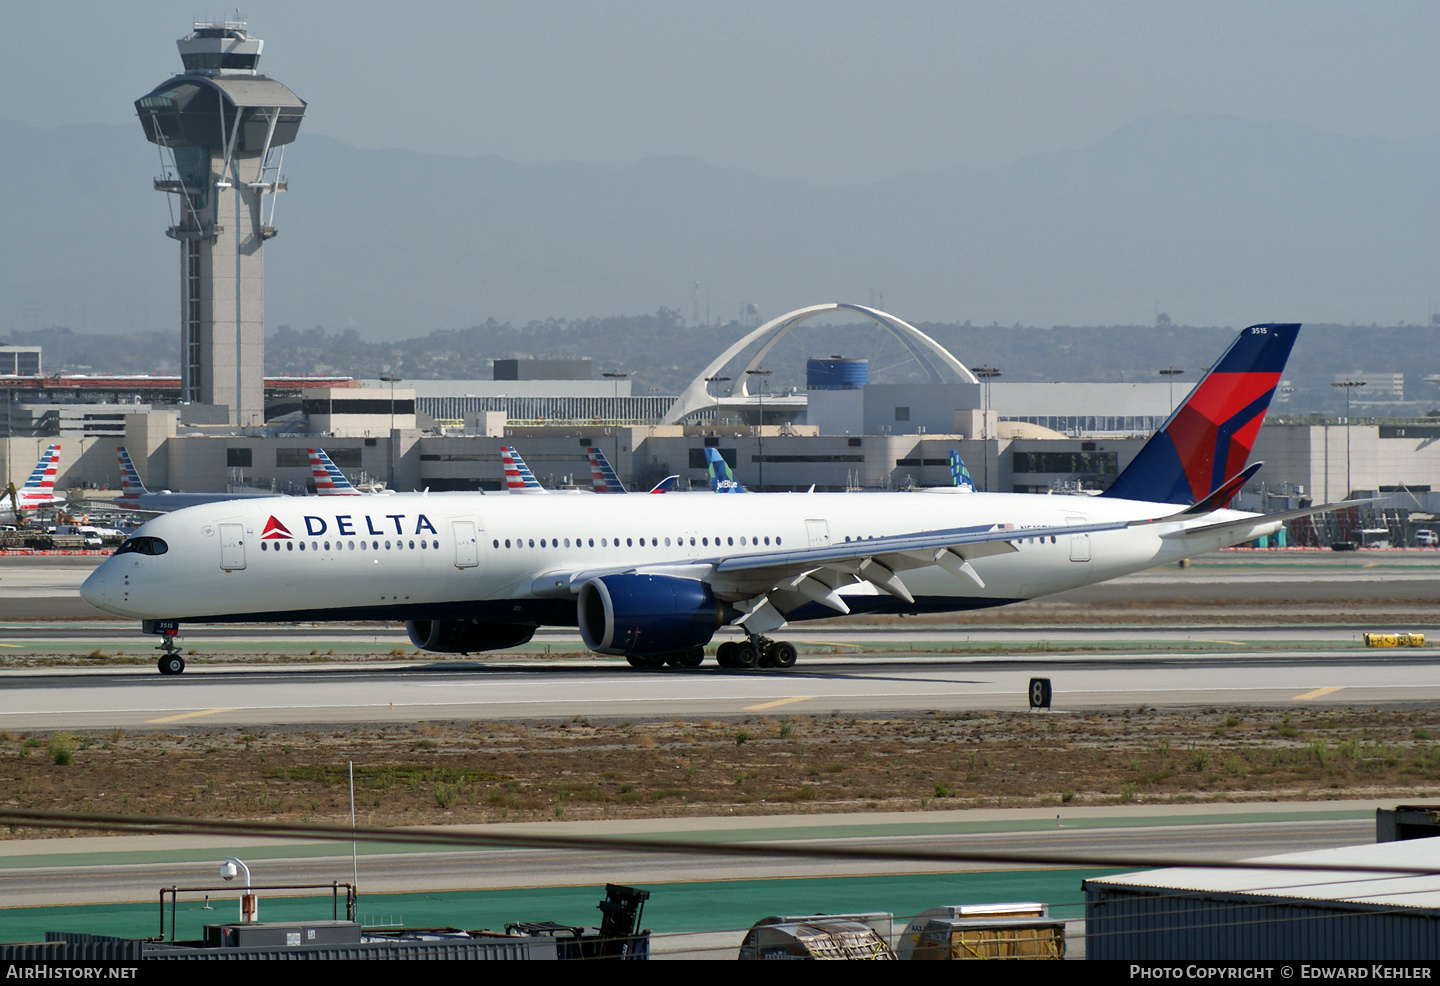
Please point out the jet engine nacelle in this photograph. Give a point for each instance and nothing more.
(466, 636)
(647, 614)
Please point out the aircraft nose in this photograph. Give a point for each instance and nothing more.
(97, 588)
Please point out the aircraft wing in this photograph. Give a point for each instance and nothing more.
(817, 571)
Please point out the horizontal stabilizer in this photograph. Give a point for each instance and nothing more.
(1259, 519)
(1221, 497)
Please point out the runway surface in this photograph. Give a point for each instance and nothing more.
(510, 690)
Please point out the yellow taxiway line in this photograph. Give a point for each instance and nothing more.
(189, 715)
(777, 702)
(1317, 693)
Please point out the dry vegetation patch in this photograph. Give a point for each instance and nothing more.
(459, 772)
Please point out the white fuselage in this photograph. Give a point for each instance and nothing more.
(423, 556)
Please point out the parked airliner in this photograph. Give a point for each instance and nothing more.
(654, 578)
(38, 491)
(134, 495)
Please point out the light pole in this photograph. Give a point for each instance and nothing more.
(392, 379)
(1170, 373)
(9, 428)
(616, 376)
(716, 379)
(762, 374)
(986, 373)
(1349, 386)
(231, 868)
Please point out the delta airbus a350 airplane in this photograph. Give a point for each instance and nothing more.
(654, 578)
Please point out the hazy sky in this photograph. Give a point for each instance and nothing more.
(832, 92)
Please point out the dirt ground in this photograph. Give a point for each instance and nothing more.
(472, 772)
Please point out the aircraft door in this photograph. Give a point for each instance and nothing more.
(232, 547)
(818, 532)
(1079, 543)
(467, 544)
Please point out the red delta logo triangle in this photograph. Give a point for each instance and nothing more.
(276, 531)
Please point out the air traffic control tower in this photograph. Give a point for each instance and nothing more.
(221, 128)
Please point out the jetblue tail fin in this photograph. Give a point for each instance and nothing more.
(518, 477)
(130, 485)
(959, 475)
(1207, 439)
(329, 480)
(722, 480)
(42, 477)
(602, 476)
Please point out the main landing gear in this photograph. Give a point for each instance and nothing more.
(756, 652)
(743, 655)
(690, 657)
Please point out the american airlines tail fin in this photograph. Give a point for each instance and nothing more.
(130, 486)
(959, 475)
(722, 480)
(518, 477)
(1207, 440)
(42, 477)
(329, 480)
(602, 476)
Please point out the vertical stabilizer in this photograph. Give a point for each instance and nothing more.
(602, 476)
(722, 479)
(130, 486)
(518, 477)
(329, 480)
(42, 477)
(1208, 438)
(959, 475)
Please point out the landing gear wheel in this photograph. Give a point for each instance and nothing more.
(781, 654)
(745, 656)
(725, 654)
(646, 661)
(171, 664)
(690, 657)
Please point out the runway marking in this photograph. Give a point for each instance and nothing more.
(1317, 693)
(17, 646)
(777, 702)
(1237, 643)
(190, 715)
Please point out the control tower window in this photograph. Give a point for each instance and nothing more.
(210, 61)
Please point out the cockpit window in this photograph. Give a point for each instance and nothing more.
(143, 546)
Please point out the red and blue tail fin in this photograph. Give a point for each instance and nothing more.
(329, 480)
(130, 485)
(518, 477)
(42, 477)
(602, 475)
(1208, 439)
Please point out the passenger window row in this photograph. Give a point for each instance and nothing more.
(351, 545)
(654, 542)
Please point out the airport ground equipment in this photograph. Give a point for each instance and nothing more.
(1394, 639)
(619, 935)
(910, 937)
(819, 937)
(990, 938)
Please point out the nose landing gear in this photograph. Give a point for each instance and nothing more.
(170, 660)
